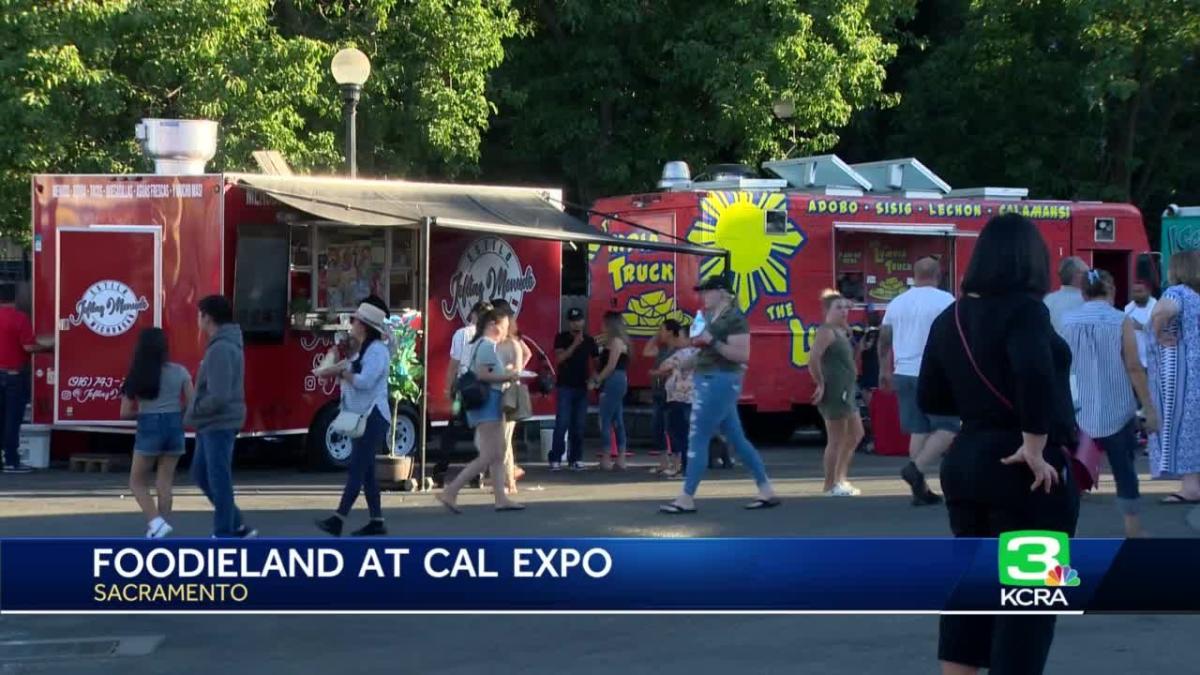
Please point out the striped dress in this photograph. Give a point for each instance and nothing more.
(1106, 399)
(1175, 388)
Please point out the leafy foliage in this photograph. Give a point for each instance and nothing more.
(1092, 99)
(77, 75)
(605, 92)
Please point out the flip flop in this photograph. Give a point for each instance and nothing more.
(453, 509)
(511, 507)
(761, 503)
(674, 509)
(1178, 499)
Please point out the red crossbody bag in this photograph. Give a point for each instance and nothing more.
(1085, 476)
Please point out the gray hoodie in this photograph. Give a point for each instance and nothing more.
(220, 402)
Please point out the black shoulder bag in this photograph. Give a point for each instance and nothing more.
(472, 391)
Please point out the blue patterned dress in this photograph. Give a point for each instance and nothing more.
(1175, 388)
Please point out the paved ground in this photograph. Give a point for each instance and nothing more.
(285, 502)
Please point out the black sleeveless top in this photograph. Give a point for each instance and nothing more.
(622, 360)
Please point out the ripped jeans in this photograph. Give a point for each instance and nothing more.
(714, 408)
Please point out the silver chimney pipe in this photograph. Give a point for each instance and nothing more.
(178, 147)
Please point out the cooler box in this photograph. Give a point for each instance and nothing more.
(890, 439)
(35, 445)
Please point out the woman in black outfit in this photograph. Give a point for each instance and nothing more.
(1006, 470)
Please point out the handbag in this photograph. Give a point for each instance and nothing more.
(350, 425)
(517, 403)
(1085, 476)
(472, 391)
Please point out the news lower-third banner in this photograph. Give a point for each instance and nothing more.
(1020, 572)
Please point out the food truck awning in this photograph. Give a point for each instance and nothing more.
(515, 211)
(888, 228)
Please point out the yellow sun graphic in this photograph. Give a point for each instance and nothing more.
(758, 258)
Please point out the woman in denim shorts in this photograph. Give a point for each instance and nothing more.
(487, 419)
(156, 392)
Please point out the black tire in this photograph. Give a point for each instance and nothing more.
(327, 451)
(405, 424)
(770, 428)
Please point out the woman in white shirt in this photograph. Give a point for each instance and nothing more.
(364, 385)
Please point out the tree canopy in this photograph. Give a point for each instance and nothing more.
(1091, 99)
(77, 75)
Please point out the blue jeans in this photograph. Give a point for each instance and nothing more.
(612, 409)
(678, 417)
(569, 415)
(360, 475)
(714, 408)
(212, 469)
(1121, 449)
(14, 392)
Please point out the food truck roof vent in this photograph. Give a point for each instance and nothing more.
(733, 177)
(178, 147)
(826, 174)
(907, 176)
(991, 193)
(675, 175)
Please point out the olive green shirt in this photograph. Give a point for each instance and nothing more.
(730, 322)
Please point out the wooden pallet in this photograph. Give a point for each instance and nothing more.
(96, 463)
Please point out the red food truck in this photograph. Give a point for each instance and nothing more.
(819, 223)
(113, 254)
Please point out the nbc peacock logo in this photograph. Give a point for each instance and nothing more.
(1035, 565)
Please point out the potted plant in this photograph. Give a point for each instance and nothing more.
(405, 379)
(299, 309)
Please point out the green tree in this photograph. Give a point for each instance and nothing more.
(605, 92)
(76, 75)
(1090, 99)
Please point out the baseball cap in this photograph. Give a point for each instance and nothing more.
(574, 314)
(716, 282)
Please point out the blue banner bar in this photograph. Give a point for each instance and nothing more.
(692, 575)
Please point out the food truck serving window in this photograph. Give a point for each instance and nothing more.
(260, 287)
(875, 267)
(352, 262)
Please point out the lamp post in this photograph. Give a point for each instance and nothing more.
(785, 110)
(350, 69)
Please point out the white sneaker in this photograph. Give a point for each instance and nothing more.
(555, 466)
(162, 529)
(578, 466)
(843, 490)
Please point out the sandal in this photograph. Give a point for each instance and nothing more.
(1178, 498)
(511, 507)
(674, 509)
(761, 503)
(452, 507)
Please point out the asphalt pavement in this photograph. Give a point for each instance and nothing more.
(284, 503)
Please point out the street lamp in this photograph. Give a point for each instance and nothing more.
(785, 110)
(350, 69)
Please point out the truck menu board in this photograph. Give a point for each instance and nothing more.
(874, 268)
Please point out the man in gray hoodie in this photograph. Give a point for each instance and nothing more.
(218, 413)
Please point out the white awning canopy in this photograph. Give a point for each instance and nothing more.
(889, 228)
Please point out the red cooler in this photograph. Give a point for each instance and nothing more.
(890, 439)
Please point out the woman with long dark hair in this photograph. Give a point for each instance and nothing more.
(487, 419)
(156, 392)
(365, 393)
(994, 360)
(613, 383)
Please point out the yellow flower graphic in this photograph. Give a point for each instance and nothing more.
(737, 222)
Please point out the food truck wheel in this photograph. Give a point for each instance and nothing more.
(772, 428)
(326, 449)
(406, 430)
